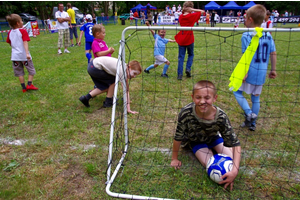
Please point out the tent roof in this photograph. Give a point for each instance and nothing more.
(232, 5)
(248, 5)
(151, 7)
(212, 6)
(138, 7)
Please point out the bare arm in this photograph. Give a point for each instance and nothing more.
(128, 99)
(175, 162)
(148, 24)
(61, 20)
(189, 9)
(230, 176)
(81, 33)
(25, 43)
(172, 40)
(273, 73)
(104, 53)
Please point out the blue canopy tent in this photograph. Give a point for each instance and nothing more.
(212, 6)
(248, 5)
(138, 8)
(231, 5)
(149, 6)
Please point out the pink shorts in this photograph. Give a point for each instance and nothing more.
(18, 67)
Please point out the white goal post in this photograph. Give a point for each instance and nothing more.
(122, 66)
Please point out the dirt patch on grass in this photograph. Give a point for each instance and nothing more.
(71, 183)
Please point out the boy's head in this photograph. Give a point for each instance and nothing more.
(98, 31)
(69, 5)
(255, 16)
(267, 15)
(134, 69)
(15, 21)
(204, 95)
(162, 33)
(89, 17)
(189, 4)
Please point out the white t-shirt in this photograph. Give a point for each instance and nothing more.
(62, 14)
(108, 64)
(15, 38)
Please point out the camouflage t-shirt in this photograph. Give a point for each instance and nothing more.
(191, 129)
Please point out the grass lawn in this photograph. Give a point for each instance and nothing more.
(52, 147)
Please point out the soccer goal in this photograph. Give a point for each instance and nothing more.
(140, 146)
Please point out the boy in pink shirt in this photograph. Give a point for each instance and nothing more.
(99, 47)
(18, 39)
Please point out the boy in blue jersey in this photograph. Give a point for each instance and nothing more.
(87, 29)
(256, 76)
(159, 51)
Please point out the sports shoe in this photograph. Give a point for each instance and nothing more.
(107, 104)
(179, 77)
(249, 120)
(165, 75)
(146, 71)
(66, 51)
(84, 100)
(72, 45)
(24, 90)
(76, 44)
(31, 87)
(59, 52)
(188, 74)
(252, 127)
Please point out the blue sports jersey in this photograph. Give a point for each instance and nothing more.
(259, 64)
(159, 45)
(87, 29)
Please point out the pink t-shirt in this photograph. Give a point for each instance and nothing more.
(99, 45)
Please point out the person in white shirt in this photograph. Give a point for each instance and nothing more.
(179, 8)
(63, 28)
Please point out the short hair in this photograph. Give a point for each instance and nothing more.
(69, 5)
(13, 19)
(97, 28)
(205, 84)
(268, 12)
(135, 65)
(257, 13)
(188, 4)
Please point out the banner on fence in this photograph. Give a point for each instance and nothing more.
(32, 28)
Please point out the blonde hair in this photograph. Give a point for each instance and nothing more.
(205, 84)
(188, 4)
(135, 65)
(257, 13)
(97, 28)
(13, 19)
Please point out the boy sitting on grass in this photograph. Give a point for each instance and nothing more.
(205, 127)
(103, 72)
(159, 51)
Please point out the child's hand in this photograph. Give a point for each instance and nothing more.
(111, 50)
(147, 23)
(272, 74)
(230, 176)
(244, 79)
(79, 43)
(28, 56)
(176, 164)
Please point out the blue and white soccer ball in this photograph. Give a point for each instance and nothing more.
(217, 166)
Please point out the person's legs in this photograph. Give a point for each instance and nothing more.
(71, 36)
(66, 38)
(190, 50)
(60, 39)
(181, 55)
(75, 33)
(220, 148)
(255, 106)
(242, 102)
(203, 155)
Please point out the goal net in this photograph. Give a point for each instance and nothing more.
(140, 147)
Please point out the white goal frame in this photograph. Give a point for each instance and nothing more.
(122, 66)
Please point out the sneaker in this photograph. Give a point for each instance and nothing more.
(146, 71)
(179, 77)
(165, 75)
(84, 100)
(188, 74)
(31, 87)
(59, 52)
(252, 127)
(72, 45)
(249, 120)
(24, 90)
(66, 51)
(76, 44)
(107, 104)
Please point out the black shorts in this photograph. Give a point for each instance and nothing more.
(101, 78)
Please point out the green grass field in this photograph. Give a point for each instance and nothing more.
(63, 146)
